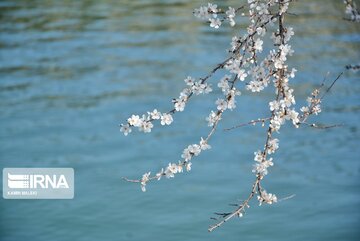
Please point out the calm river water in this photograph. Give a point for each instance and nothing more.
(71, 71)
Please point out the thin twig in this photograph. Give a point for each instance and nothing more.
(286, 198)
(332, 84)
(321, 126)
(240, 209)
(130, 180)
(252, 122)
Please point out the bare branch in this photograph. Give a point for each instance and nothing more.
(322, 126)
(252, 122)
(332, 84)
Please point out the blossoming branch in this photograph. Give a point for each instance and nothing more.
(244, 67)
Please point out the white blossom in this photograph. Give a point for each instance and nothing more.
(180, 167)
(189, 80)
(146, 126)
(259, 156)
(155, 114)
(166, 119)
(258, 45)
(224, 84)
(185, 93)
(212, 118)
(160, 174)
(294, 116)
(230, 13)
(144, 180)
(292, 73)
(231, 104)
(279, 63)
(274, 105)
(207, 89)
(255, 86)
(233, 65)
(186, 154)
(268, 198)
(309, 100)
(304, 109)
(262, 9)
(262, 164)
(204, 145)
(221, 104)
(191, 150)
(201, 88)
(289, 98)
(135, 120)
(202, 13)
(241, 74)
(168, 173)
(316, 109)
(206, 12)
(284, 7)
(188, 166)
(262, 168)
(171, 170)
(212, 8)
(179, 105)
(126, 129)
(288, 33)
(276, 122)
(275, 36)
(261, 31)
(234, 43)
(194, 149)
(285, 50)
(215, 22)
(273, 145)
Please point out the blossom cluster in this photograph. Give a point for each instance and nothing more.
(262, 164)
(313, 105)
(211, 13)
(265, 197)
(144, 123)
(174, 168)
(352, 11)
(242, 66)
(272, 69)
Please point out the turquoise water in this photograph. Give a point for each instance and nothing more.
(71, 71)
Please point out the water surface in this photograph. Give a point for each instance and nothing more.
(71, 71)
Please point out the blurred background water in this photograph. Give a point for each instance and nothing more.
(71, 71)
